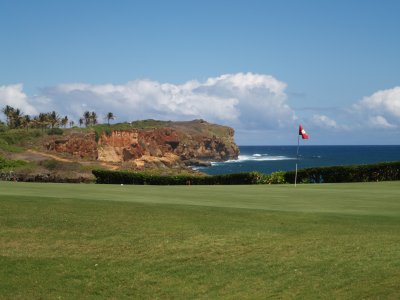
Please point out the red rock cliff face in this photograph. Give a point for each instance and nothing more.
(77, 144)
(130, 145)
(133, 144)
(170, 145)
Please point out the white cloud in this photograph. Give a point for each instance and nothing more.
(381, 109)
(386, 101)
(380, 122)
(13, 95)
(254, 104)
(323, 121)
(242, 83)
(244, 100)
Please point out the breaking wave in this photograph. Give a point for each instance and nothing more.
(254, 157)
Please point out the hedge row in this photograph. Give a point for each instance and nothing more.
(124, 177)
(361, 173)
(388, 171)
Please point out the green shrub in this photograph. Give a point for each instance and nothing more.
(3, 127)
(359, 173)
(277, 177)
(17, 137)
(9, 148)
(10, 164)
(125, 177)
(108, 131)
(55, 131)
(96, 135)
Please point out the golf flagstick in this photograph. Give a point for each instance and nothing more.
(297, 159)
(304, 136)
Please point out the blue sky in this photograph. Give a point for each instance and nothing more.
(261, 67)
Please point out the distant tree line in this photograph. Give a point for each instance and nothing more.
(15, 118)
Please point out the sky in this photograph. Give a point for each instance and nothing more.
(259, 66)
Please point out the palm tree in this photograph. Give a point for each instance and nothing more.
(64, 121)
(14, 116)
(43, 120)
(86, 117)
(110, 116)
(81, 121)
(35, 122)
(8, 111)
(17, 117)
(26, 121)
(93, 118)
(54, 119)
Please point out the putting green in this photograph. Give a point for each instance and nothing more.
(77, 241)
(381, 198)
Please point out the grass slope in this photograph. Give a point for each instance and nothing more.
(237, 242)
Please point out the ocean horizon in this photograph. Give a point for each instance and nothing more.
(268, 159)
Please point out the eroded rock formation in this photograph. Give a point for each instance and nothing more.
(172, 144)
(77, 144)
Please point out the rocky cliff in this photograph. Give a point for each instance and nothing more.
(78, 144)
(164, 144)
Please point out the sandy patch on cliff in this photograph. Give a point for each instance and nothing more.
(169, 159)
(33, 155)
(108, 154)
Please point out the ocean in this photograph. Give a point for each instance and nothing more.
(268, 159)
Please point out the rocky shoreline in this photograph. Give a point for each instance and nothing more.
(175, 144)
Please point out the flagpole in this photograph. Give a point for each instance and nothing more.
(297, 159)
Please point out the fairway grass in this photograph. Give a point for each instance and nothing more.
(329, 241)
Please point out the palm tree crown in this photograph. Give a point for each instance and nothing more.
(110, 116)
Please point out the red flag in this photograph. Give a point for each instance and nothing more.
(303, 133)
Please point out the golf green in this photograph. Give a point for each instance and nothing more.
(69, 241)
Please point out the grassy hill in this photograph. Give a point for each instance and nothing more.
(62, 241)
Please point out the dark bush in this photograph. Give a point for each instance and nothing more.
(124, 177)
(358, 173)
